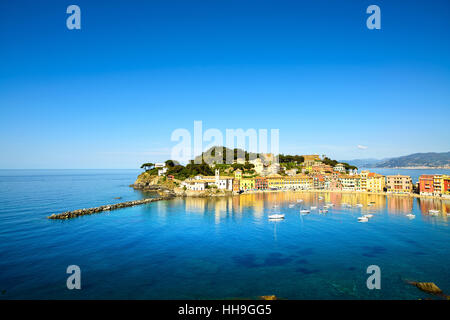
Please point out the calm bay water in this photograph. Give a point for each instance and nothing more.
(211, 248)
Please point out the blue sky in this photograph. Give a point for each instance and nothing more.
(110, 95)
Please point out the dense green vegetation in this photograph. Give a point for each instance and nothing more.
(192, 169)
(147, 166)
(288, 159)
(333, 163)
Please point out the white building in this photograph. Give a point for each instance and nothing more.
(162, 171)
(195, 184)
(223, 183)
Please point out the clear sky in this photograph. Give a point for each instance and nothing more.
(110, 95)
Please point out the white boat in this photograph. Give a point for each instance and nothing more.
(410, 216)
(313, 208)
(359, 205)
(276, 216)
(370, 204)
(291, 205)
(362, 219)
(299, 200)
(368, 216)
(330, 204)
(304, 211)
(433, 212)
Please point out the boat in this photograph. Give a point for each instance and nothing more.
(305, 211)
(276, 216)
(362, 219)
(370, 204)
(313, 208)
(411, 216)
(330, 204)
(320, 198)
(359, 205)
(368, 216)
(433, 212)
(291, 205)
(299, 200)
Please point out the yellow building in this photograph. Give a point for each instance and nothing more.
(363, 182)
(375, 182)
(275, 181)
(247, 183)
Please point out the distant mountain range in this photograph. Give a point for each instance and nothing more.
(415, 160)
(364, 163)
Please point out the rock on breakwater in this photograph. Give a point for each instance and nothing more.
(109, 207)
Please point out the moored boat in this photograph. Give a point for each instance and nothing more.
(276, 216)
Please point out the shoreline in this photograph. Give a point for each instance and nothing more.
(82, 212)
(411, 195)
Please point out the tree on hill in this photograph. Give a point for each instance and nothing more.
(171, 163)
(147, 166)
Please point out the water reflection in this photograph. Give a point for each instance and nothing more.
(259, 205)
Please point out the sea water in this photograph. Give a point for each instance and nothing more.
(216, 248)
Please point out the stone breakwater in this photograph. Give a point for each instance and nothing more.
(109, 207)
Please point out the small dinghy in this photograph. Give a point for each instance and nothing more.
(370, 204)
(362, 219)
(410, 216)
(368, 216)
(276, 216)
(291, 205)
(359, 205)
(313, 208)
(304, 211)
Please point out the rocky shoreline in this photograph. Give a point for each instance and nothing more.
(82, 212)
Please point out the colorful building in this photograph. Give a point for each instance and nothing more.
(350, 183)
(446, 186)
(247, 184)
(236, 185)
(375, 182)
(261, 183)
(399, 184)
(438, 183)
(426, 184)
